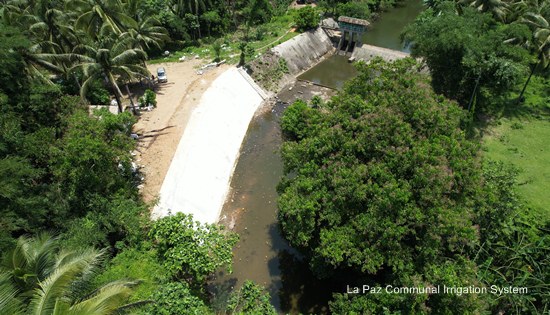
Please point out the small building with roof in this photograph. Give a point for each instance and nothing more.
(352, 30)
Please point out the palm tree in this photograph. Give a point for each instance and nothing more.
(521, 7)
(12, 11)
(147, 34)
(101, 17)
(109, 59)
(541, 35)
(50, 34)
(498, 8)
(48, 23)
(9, 304)
(39, 278)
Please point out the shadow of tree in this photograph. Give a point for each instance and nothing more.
(220, 292)
(301, 291)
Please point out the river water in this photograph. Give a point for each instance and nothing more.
(262, 254)
(384, 32)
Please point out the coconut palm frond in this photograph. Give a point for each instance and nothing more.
(128, 56)
(86, 86)
(69, 266)
(106, 301)
(9, 302)
(53, 292)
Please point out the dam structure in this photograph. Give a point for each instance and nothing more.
(348, 34)
(352, 31)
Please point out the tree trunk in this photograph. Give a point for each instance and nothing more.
(474, 92)
(199, 28)
(131, 100)
(118, 93)
(529, 78)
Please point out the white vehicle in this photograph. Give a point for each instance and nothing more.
(161, 75)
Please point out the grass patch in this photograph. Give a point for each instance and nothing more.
(522, 137)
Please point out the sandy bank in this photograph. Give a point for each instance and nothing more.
(198, 179)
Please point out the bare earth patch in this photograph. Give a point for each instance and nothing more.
(161, 129)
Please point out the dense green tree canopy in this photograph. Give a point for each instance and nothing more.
(384, 188)
(250, 299)
(175, 298)
(382, 176)
(461, 50)
(383, 182)
(306, 18)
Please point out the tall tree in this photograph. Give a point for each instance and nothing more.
(466, 50)
(190, 250)
(498, 8)
(109, 59)
(193, 7)
(148, 34)
(520, 7)
(101, 17)
(380, 184)
(541, 35)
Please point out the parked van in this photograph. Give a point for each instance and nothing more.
(161, 75)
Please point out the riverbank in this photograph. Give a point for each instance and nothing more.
(161, 129)
(282, 64)
(199, 175)
(262, 254)
(196, 178)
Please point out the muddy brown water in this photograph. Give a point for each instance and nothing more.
(262, 254)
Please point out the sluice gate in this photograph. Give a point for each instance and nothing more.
(352, 30)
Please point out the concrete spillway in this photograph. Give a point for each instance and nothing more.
(367, 52)
(198, 179)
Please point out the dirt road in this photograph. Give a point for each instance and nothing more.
(161, 129)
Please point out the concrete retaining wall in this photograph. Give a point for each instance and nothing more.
(198, 179)
(367, 52)
(304, 50)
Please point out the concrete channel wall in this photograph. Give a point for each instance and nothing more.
(199, 176)
(304, 50)
(367, 52)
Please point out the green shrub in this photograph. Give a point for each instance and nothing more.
(191, 250)
(148, 98)
(306, 18)
(260, 33)
(517, 125)
(250, 299)
(136, 264)
(217, 48)
(354, 9)
(175, 298)
(97, 94)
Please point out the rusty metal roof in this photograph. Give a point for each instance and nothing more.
(350, 20)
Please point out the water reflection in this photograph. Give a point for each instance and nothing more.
(386, 30)
(331, 72)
